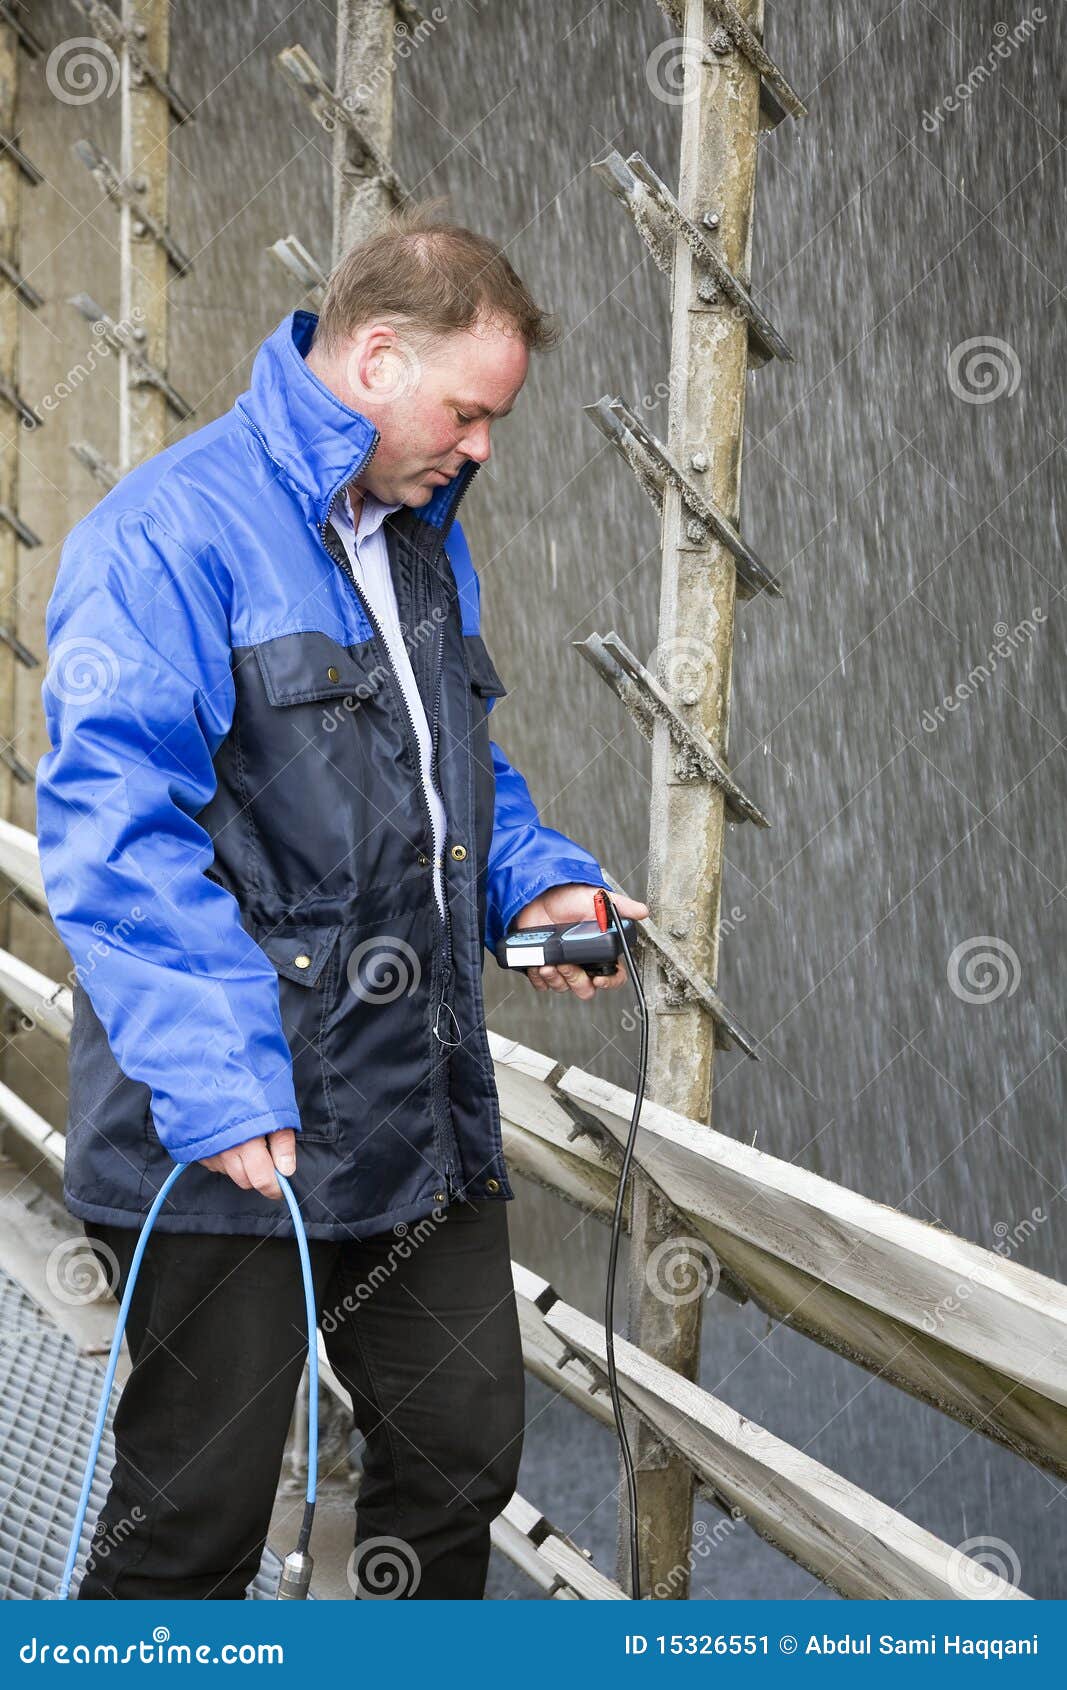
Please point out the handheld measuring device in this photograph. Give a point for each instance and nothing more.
(593, 945)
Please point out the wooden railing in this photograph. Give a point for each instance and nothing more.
(976, 1336)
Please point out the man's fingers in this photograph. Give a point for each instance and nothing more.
(258, 1167)
(233, 1168)
(251, 1165)
(282, 1145)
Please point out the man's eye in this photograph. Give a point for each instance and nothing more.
(461, 418)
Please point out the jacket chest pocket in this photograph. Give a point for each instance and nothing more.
(313, 738)
(306, 958)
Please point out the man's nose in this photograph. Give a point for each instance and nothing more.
(476, 443)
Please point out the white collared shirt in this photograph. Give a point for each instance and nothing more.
(369, 557)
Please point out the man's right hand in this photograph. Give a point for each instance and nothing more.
(251, 1165)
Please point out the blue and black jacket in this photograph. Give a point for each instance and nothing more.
(235, 840)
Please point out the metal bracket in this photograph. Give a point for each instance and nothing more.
(123, 193)
(408, 15)
(29, 296)
(12, 397)
(15, 522)
(296, 258)
(586, 1126)
(95, 462)
(777, 98)
(21, 771)
(127, 40)
(698, 759)
(333, 110)
(28, 658)
(29, 42)
(658, 218)
(26, 166)
(691, 985)
(143, 372)
(655, 468)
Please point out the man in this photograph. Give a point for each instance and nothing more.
(275, 836)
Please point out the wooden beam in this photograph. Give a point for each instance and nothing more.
(842, 1535)
(939, 1318)
(365, 82)
(709, 364)
(144, 266)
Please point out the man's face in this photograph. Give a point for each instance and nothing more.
(433, 407)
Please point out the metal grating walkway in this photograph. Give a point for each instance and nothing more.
(48, 1406)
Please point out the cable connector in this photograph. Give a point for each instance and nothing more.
(295, 1580)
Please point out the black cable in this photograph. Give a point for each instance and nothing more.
(613, 1252)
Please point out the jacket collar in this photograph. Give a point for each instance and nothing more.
(318, 443)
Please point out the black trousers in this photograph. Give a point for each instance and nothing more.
(421, 1327)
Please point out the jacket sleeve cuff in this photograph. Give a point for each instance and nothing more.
(255, 1126)
(565, 871)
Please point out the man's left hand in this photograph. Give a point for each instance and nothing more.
(574, 902)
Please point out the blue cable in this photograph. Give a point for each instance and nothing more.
(296, 1574)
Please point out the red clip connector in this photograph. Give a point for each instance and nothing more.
(600, 905)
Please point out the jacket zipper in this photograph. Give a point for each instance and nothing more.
(380, 635)
(444, 913)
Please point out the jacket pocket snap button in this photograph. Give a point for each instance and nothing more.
(492, 1185)
(334, 674)
(303, 960)
(423, 860)
(458, 853)
(439, 1196)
